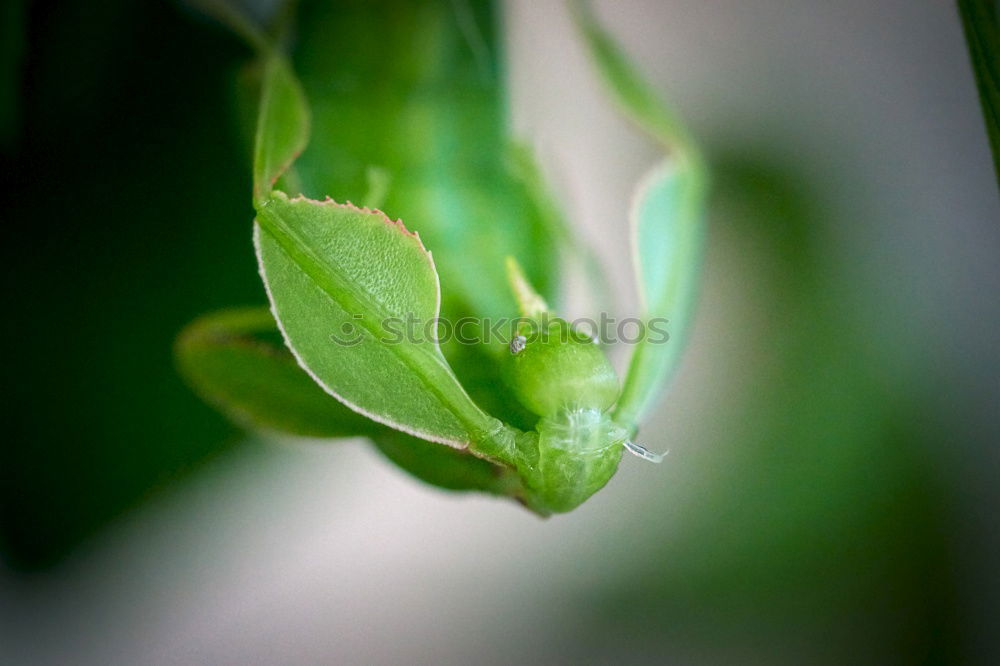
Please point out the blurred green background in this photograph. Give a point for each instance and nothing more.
(830, 493)
(126, 184)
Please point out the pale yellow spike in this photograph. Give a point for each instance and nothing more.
(528, 300)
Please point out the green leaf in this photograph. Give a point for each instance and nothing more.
(668, 236)
(282, 124)
(981, 19)
(235, 360)
(667, 220)
(445, 467)
(637, 99)
(343, 281)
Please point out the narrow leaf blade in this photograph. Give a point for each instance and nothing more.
(668, 236)
(637, 99)
(282, 124)
(667, 220)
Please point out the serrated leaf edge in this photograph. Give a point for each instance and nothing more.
(397, 223)
(284, 334)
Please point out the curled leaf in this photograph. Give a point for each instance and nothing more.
(235, 359)
(667, 222)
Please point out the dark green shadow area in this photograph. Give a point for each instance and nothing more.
(127, 213)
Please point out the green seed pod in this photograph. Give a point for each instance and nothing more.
(564, 378)
(557, 369)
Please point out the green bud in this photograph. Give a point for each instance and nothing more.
(559, 369)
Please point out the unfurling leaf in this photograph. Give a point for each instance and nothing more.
(667, 220)
(235, 359)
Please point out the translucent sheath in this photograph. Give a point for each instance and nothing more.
(575, 453)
